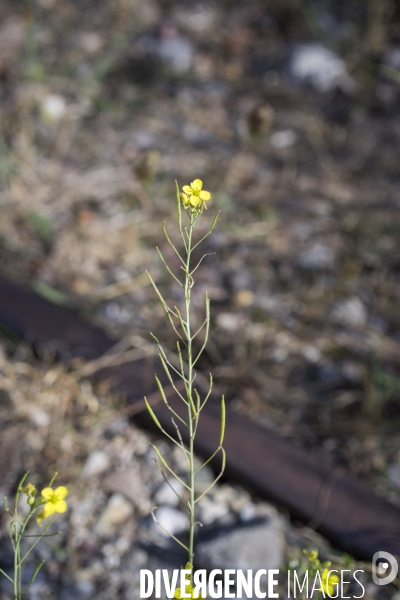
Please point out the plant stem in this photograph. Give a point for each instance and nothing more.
(189, 389)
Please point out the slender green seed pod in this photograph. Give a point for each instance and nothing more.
(223, 419)
(151, 412)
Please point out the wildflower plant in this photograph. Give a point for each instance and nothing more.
(190, 205)
(41, 507)
(318, 572)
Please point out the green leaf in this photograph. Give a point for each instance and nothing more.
(51, 294)
(36, 571)
(42, 226)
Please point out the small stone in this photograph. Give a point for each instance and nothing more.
(323, 69)
(257, 544)
(117, 511)
(40, 418)
(243, 298)
(211, 511)
(53, 107)
(177, 54)
(350, 311)
(229, 321)
(283, 139)
(168, 492)
(130, 484)
(97, 462)
(317, 256)
(203, 479)
(171, 519)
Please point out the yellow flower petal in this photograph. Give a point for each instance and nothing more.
(195, 200)
(185, 199)
(47, 493)
(60, 493)
(196, 185)
(48, 509)
(60, 506)
(204, 195)
(39, 518)
(178, 593)
(187, 189)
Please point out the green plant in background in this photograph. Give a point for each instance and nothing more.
(190, 204)
(41, 507)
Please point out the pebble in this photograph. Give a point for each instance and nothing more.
(350, 311)
(203, 479)
(96, 463)
(130, 484)
(166, 495)
(256, 544)
(283, 139)
(211, 511)
(229, 321)
(53, 107)
(317, 256)
(176, 53)
(320, 67)
(117, 511)
(171, 519)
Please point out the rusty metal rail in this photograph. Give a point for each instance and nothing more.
(343, 509)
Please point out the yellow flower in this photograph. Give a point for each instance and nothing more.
(328, 585)
(55, 502)
(29, 490)
(194, 197)
(188, 587)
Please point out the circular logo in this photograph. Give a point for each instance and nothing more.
(382, 563)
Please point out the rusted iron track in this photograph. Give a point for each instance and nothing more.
(343, 509)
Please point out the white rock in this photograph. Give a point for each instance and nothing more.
(53, 107)
(40, 417)
(117, 511)
(204, 479)
(211, 511)
(97, 462)
(320, 67)
(311, 353)
(350, 311)
(283, 139)
(229, 321)
(171, 519)
(168, 492)
(177, 54)
(248, 512)
(257, 544)
(317, 256)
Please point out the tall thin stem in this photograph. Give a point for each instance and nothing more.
(190, 389)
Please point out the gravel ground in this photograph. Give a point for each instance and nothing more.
(107, 534)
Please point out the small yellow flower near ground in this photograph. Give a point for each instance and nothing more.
(188, 587)
(329, 587)
(55, 502)
(194, 197)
